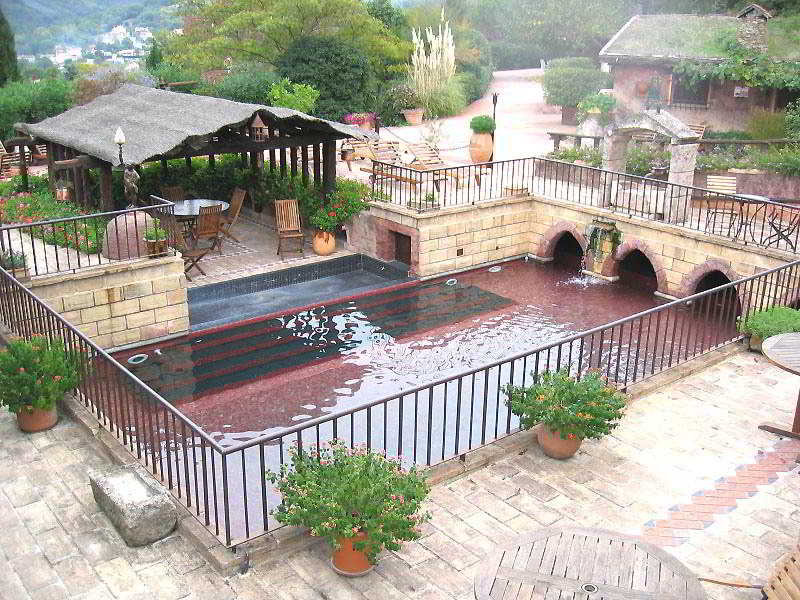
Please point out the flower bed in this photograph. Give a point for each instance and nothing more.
(18, 207)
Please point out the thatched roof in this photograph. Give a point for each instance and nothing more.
(157, 122)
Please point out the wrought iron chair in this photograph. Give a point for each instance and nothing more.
(289, 224)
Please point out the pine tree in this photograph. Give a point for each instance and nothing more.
(8, 55)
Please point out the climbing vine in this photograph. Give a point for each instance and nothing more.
(754, 69)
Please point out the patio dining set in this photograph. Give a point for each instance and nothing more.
(199, 226)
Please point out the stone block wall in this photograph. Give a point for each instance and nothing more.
(121, 303)
(448, 239)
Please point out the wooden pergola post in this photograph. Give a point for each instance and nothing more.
(328, 167)
(106, 186)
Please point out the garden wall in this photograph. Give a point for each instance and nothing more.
(761, 183)
(118, 304)
(447, 239)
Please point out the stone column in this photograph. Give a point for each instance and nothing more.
(677, 203)
(614, 150)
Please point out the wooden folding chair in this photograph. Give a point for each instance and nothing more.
(209, 226)
(192, 254)
(173, 193)
(229, 219)
(289, 224)
(698, 129)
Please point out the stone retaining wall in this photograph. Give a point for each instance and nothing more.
(121, 303)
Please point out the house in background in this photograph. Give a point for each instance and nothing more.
(642, 55)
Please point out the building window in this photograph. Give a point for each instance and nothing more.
(690, 93)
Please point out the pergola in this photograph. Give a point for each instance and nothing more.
(161, 125)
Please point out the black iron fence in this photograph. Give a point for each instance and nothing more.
(74, 243)
(224, 486)
(746, 219)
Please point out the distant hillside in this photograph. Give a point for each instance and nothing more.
(41, 24)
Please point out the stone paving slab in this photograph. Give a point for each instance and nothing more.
(696, 435)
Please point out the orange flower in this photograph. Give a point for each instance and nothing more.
(571, 436)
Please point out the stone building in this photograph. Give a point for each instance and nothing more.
(643, 54)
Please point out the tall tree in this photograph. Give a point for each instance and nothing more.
(9, 71)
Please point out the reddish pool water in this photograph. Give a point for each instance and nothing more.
(243, 380)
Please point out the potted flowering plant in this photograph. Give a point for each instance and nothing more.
(34, 375)
(568, 409)
(16, 263)
(356, 498)
(334, 211)
(365, 120)
(156, 239)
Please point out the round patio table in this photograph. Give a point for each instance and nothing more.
(586, 563)
(191, 208)
(784, 351)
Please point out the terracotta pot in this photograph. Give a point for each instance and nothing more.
(569, 115)
(552, 444)
(63, 194)
(348, 561)
(481, 146)
(347, 154)
(755, 343)
(414, 116)
(367, 126)
(32, 420)
(324, 243)
(156, 248)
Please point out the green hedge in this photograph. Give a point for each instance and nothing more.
(29, 102)
(772, 321)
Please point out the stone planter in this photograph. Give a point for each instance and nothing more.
(569, 115)
(348, 561)
(481, 147)
(555, 447)
(33, 420)
(414, 116)
(323, 243)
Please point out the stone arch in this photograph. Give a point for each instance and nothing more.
(691, 279)
(548, 243)
(611, 264)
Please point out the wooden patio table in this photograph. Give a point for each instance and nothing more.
(584, 564)
(784, 351)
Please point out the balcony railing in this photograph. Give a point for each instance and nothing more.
(74, 243)
(747, 220)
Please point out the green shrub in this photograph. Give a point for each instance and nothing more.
(572, 62)
(482, 124)
(37, 373)
(772, 321)
(568, 85)
(591, 156)
(165, 72)
(348, 200)
(599, 105)
(586, 408)
(785, 161)
(766, 125)
(448, 100)
(297, 96)
(474, 62)
(720, 161)
(641, 160)
(29, 102)
(793, 120)
(341, 72)
(510, 55)
(395, 98)
(248, 83)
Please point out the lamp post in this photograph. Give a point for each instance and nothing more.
(119, 140)
(495, 95)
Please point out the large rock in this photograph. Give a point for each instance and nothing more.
(124, 236)
(140, 509)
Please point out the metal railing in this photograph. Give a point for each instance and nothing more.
(747, 220)
(73, 243)
(225, 487)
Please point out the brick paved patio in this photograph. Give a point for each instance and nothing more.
(687, 467)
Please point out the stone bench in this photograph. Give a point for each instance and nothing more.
(140, 509)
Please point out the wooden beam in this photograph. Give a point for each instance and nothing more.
(293, 156)
(106, 198)
(189, 162)
(328, 167)
(317, 165)
(272, 157)
(164, 167)
(51, 179)
(86, 162)
(212, 161)
(23, 169)
(304, 162)
(20, 141)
